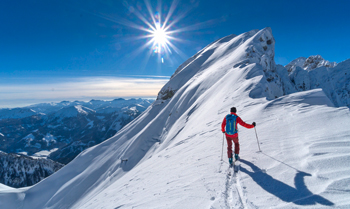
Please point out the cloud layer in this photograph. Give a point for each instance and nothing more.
(15, 95)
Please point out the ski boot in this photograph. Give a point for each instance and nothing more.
(236, 157)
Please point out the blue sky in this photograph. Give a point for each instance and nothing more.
(57, 50)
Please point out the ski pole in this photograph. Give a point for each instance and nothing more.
(222, 150)
(257, 138)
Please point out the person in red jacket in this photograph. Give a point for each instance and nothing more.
(229, 127)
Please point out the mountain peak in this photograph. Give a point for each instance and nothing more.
(73, 111)
(316, 61)
(255, 46)
(310, 63)
(16, 113)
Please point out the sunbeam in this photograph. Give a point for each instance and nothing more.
(158, 28)
(159, 31)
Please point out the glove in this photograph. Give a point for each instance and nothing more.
(254, 124)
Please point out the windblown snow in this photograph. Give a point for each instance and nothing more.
(170, 156)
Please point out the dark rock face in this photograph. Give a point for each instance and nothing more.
(166, 94)
(21, 171)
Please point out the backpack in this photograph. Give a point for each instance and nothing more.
(231, 124)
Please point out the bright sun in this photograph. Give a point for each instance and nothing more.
(159, 35)
(159, 38)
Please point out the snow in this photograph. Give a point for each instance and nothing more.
(4, 188)
(73, 111)
(317, 61)
(334, 81)
(43, 153)
(28, 138)
(48, 108)
(298, 62)
(7, 113)
(90, 124)
(309, 63)
(49, 138)
(54, 127)
(37, 145)
(173, 149)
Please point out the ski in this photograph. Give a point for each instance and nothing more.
(235, 166)
(230, 169)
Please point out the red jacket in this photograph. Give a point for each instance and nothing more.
(239, 120)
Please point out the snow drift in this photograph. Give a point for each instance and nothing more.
(169, 157)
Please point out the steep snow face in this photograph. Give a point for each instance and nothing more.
(298, 62)
(251, 47)
(169, 157)
(338, 88)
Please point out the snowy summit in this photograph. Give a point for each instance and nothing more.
(169, 157)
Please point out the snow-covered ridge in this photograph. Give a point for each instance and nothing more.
(261, 52)
(310, 63)
(73, 111)
(16, 113)
(169, 157)
(317, 61)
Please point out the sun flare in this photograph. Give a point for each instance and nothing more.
(160, 39)
(159, 30)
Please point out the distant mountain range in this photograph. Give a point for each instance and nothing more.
(60, 131)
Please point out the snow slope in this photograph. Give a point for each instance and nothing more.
(169, 157)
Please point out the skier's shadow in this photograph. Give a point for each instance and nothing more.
(299, 195)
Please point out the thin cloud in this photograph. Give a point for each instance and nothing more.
(80, 88)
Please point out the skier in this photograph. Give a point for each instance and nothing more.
(230, 122)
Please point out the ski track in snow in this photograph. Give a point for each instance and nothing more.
(234, 193)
